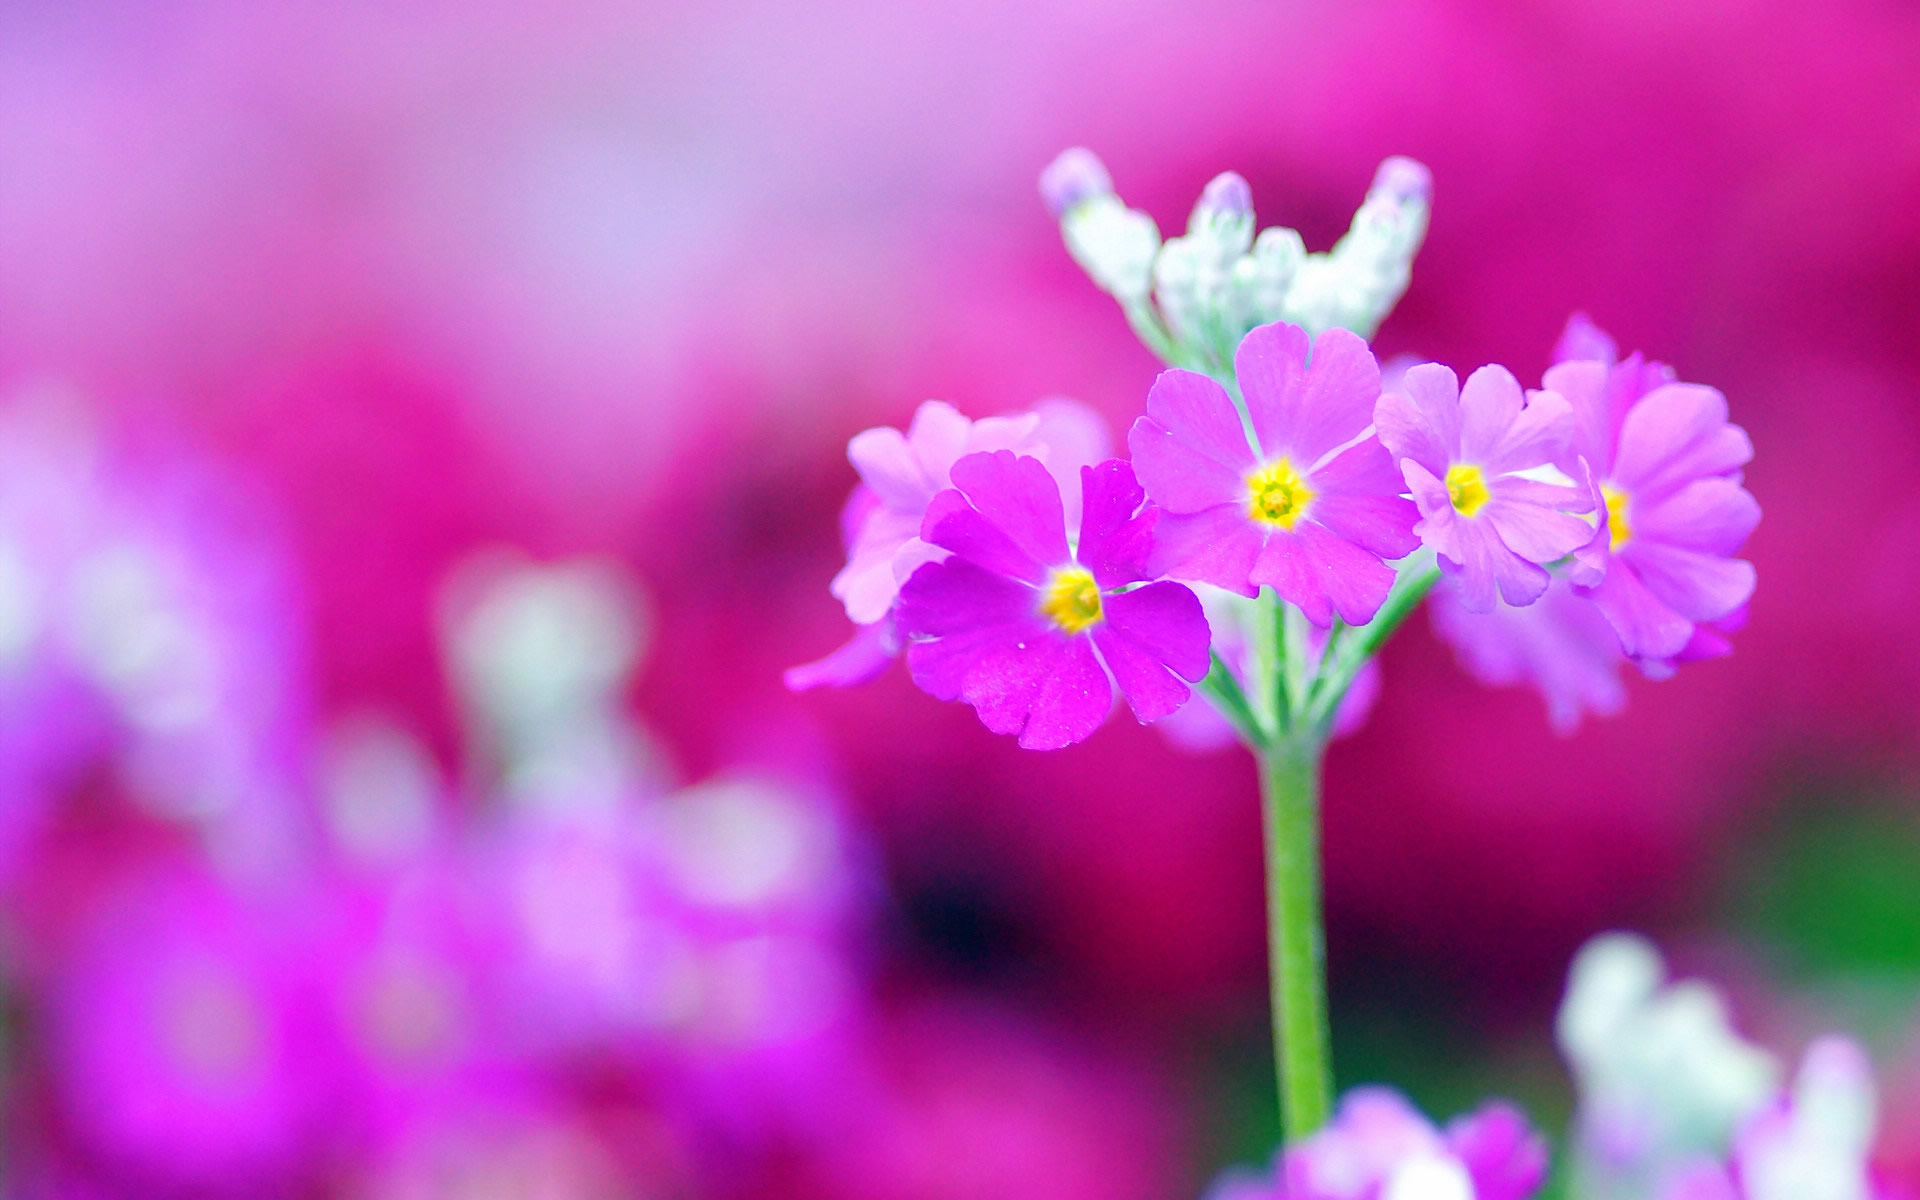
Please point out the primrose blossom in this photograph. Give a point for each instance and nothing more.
(900, 474)
(1472, 458)
(1034, 633)
(1310, 505)
(1666, 470)
(1655, 583)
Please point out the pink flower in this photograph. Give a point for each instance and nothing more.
(1380, 1146)
(1024, 627)
(899, 476)
(1471, 457)
(1312, 509)
(1666, 468)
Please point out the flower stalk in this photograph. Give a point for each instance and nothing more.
(1296, 942)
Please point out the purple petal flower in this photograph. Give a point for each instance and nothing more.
(870, 650)
(1311, 512)
(1379, 1146)
(1027, 629)
(903, 473)
(900, 474)
(1665, 464)
(1472, 459)
(1561, 645)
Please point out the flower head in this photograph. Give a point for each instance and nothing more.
(1379, 1147)
(1310, 506)
(900, 473)
(1666, 467)
(1025, 627)
(1472, 458)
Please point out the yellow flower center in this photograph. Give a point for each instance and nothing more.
(1467, 487)
(1618, 531)
(1278, 495)
(1071, 599)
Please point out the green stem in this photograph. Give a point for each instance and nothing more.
(1342, 663)
(1223, 690)
(1296, 960)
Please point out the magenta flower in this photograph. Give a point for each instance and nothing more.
(1665, 464)
(899, 475)
(1379, 1146)
(1472, 459)
(1561, 645)
(182, 1034)
(1312, 510)
(1027, 629)
(903, 472)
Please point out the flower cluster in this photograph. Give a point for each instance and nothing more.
(1574, 527)
(1589, 522)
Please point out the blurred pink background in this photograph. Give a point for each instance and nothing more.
(350, 295)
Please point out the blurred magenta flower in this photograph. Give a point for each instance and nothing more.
(1026, 628)
(149, 631)
(184, 1035)
(1379, 1147)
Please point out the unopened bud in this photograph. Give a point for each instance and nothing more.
(1075, 176)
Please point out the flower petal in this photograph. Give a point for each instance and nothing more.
(1700, 587)
(1190, 450)
(870, 651)
(1217, 546)
(1019, 499)
(1322, 573)
(1505, 1157)
(1648, 627)
(1359, 497)
(867, 584)
(1490, 402)
(1712, 515)
(1023, 679)
(1115, 535)
(1422, 422)
(1675, 434)
(961, 596)
(1305, 409)
(1165, 620)
(1535, 532)
(1540, 434)
(1583, 385)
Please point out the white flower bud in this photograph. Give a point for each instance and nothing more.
(1661, 1075)
(1075, 176)
(1113, 244)
(1356, 284)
